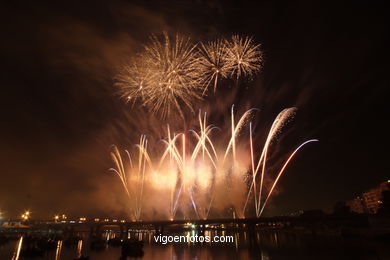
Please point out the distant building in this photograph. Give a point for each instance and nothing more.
(356, 205)
(369, 201)
(373, 198)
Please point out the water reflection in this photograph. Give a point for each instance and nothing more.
(58, 250)
(79, 248)
(269, 246)
(18, 248)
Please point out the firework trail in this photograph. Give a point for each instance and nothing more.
(278, 123)
(281, 172)
(133, 184)
(191, 175)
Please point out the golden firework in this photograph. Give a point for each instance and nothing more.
(191, 172)
(164, 75)
(171, 72)
(243, 57)
(133, 80)
(212, 63)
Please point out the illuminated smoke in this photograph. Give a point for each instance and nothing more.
(194, 177)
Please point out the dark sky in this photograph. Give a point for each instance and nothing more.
(60, 114)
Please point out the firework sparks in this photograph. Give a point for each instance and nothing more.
(164, 76)
(172, 72)
(133, 184)
(195, 175)
(132, 80)
(194, 178)
(242, 56)
(212, 63)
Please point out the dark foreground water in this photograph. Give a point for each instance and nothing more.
(269, 246)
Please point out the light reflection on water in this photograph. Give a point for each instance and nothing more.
(269, 246)
(17, 250)
(58, 250)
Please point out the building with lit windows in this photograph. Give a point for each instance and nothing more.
(369, 201)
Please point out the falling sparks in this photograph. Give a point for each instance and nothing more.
(133, 186)
(188, 178)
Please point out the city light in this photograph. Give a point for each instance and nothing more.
(26, 215)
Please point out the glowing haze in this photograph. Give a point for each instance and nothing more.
(195, 173)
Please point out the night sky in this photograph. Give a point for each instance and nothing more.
(60, 112)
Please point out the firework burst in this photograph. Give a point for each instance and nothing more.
(212, 63)
(132, 80)
(164, 76)
(243, 57)
(172, 72)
